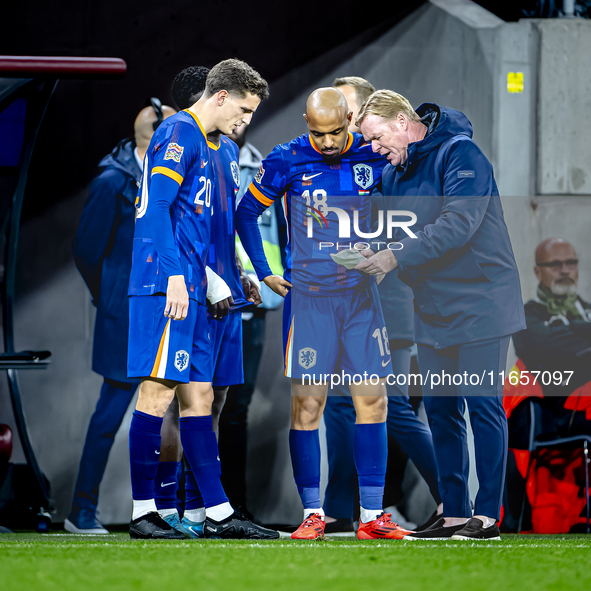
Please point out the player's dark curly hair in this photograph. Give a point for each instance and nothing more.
(188, 86)
(238, 78)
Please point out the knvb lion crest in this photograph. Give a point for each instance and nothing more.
(363, 175)
(307, 357)
(181, 360)
(235, 172)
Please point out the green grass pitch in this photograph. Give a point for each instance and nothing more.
(114, 562)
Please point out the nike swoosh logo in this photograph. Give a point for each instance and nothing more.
(384, 364)
(213, 529)
(157, 452)
(162, 485)
(308, 177)
(205, 163)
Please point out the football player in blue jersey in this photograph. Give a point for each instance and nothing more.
(332, 315)
(170, 346)
(225, 333)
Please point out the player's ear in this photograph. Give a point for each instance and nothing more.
(350, 116)
(222, 97)
(305, 117)
(402, 121)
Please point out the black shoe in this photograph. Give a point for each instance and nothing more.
(475, 530)
(436, 532)
(237, 526)
(152, 527)
(431, 521)
(339, 526)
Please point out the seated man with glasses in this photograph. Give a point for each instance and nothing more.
(557, 342)
(555, 348)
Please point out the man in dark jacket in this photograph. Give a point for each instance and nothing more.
(458, 260)
(558, 338)
(556, 351)
(102, 250)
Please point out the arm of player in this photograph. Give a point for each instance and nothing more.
(163, 192)
(246, 221)
(467, 187)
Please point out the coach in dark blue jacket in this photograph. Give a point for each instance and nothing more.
(458, 260)
(102, 251)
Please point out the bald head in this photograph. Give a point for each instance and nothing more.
(143, 128)
(327, 115)
(551, 246)
(557, 265)
(326, 102)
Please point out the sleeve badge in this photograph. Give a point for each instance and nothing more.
(259, 175)
(174, 152)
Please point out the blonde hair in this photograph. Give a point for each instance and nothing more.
(386, 104)
(363, 88)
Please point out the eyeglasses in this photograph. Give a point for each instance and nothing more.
(570, 264)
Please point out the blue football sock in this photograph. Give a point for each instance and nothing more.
(167, 485)
(144, 452)
(304, 447)
(193, 498)
(371, 457)
(201, 449)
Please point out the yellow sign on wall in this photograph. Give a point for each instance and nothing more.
(515, 82)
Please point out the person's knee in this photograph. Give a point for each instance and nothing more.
(371, 409)
(155, 396)
(195, 399)
(306, 412)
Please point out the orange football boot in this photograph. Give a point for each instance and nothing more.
(311, 529)
(382, 528)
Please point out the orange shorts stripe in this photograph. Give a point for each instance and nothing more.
(287, 348)
(154, 373)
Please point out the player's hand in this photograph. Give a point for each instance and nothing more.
(221, 308)
(382, 262)
(251, 291)
(177, 298)
(367, 253)
(279, 285)
(250, 288)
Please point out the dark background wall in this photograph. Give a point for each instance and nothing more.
(158, 39)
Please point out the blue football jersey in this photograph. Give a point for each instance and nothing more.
(297, 172)
(222, 250)
(178, 150)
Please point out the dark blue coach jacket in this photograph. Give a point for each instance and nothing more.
(102, 250)
(461, 267)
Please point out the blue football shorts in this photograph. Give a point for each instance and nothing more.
(159, 347)
(226, 339)
(323, 333)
